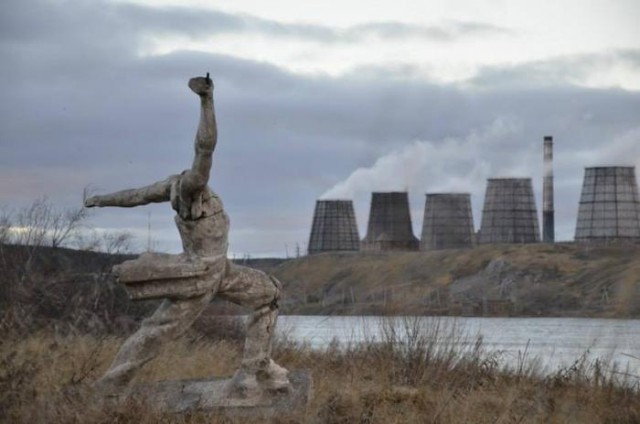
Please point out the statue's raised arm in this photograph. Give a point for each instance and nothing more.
(191, 181)
(195, 179)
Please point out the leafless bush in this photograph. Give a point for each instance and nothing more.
(112, 243)
(42, 283)
(34, 227)
(43, 224)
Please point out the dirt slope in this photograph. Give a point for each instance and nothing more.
(516, 280)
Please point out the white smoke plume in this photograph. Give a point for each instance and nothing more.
(449, 165)
(623, 150)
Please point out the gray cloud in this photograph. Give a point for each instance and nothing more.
(80, 107)
(556, 71)
(449, 31)
(118, 21)
(198, 22)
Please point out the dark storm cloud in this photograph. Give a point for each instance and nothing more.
(80, 107)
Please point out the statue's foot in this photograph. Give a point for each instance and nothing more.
(274, 377)
(269, 379)
(202, 86)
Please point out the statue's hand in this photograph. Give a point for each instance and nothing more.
(202, 86)
(91, 202)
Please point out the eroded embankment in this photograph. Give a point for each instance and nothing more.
(491, 280)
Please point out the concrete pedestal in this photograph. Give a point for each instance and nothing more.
(182, 396)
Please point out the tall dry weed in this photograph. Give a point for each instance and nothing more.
(412, 374)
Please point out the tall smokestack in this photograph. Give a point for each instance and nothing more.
(548, 230)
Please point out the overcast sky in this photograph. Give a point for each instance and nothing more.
(331, 99)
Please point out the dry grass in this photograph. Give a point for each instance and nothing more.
(415, 374)
(551, 280)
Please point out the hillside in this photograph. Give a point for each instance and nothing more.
(502, 280)
(76, 288)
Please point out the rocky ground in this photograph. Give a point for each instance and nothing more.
(491, 280)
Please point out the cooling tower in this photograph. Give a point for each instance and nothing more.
(448, 222)
(509, 213)
(609, 206)
(389, 223)
(334, 227)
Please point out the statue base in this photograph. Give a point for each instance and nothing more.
(211, 394)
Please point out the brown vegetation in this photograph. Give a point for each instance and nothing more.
(62, 318)
(517, 280)
(46, 378)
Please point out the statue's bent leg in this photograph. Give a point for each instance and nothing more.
(171, 319)
(260, 292)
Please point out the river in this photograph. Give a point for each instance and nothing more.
(553, 343)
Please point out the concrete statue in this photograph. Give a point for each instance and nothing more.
(188, 281)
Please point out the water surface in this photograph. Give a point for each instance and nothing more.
(554, 342)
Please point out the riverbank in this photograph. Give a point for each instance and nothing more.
(42, 285)
(559, 280)
(46, 377)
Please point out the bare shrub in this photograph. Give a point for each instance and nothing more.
(111, 243)
(47, 378)
(42, 283)
(42, 224)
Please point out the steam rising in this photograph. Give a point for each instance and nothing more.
(449, 165)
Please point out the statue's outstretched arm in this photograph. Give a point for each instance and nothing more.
(197, 177)
(154, 193)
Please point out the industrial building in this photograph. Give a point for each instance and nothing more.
(389, 226)
(334, 227)
(509, 214)
(448, 222)
(609, 207)
(609, 211)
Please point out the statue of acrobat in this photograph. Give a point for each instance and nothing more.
(190, 280)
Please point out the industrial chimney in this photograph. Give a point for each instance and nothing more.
(609, 206)
(448, 222)
(334, 227)
(389, 225)
(548, 226)
(509, 214)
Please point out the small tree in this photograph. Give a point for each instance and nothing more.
(42, 224)
(65, 223)
(39, 284)
(5, 227)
